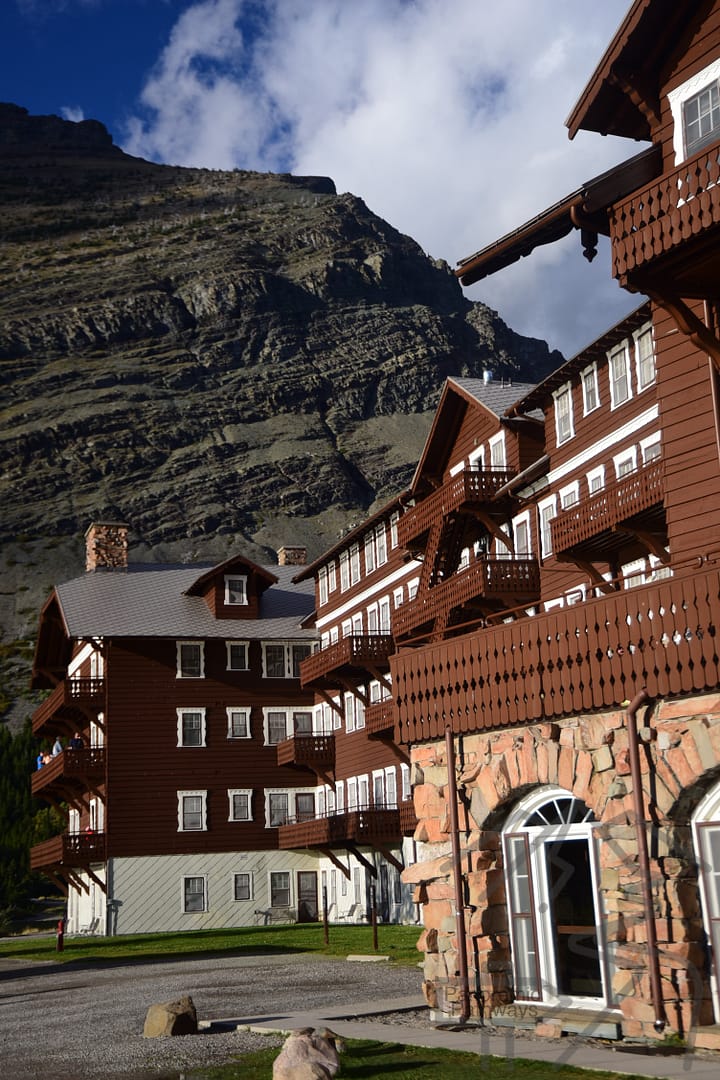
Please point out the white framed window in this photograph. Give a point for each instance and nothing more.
(344, 571)
(381, 544)
(497, 451)
(237, 655)
(394, 519)
(275, 725)
(458, 467)
(372, 619)
(304, 805)
(384, 608)
(190, 659)
(323, 585)
(406, 786)
(277, 808)
(235, 590)
(398, 596)
(651, 448)
(346, 627)
(369, 553)
(282, 659)
(693, 105)
(596, 479)
(391, 796)
(238, 723)
(625, 462)
(521, 535)
(357, 623)
(242, 886)
(378, 780)
(193, 894)
(547, 510)
(354, 564)
(352, 794)
(619, 372)
(192, 811)
(349, 712)
(299, 651)
(331, 577)
(476, 458)
(280, 888)
(239, 804)
(590, 389)
(644, 357)
(564, 428)
(412, 588)
(302, 721)
(191, 727)
(570, 495)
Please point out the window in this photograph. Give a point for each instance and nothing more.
(570, 495)
(274, 661)
(372, 619)
(279, 889)
(359, 714)
(369, 553)
(323, 585)
(192, 811)
(596, 479)
(701, 118)
(354, 564)
(190, 727)
(381, 545)
(644, 358)
(650, 448)
(394, 519)
(398, 596)
(275, 726)
(625, 462)
(304, 806)
(237, 655)
(194, 894)
(300, 652)
(332, 577)
(190, 660)
(238, 723)
(344, 571)
(277, 809)
(352, 795)
(349, 712)
(242, 886)
(476, 458)
(546, 513)
(385, 615)
(405, 781)
(619, 369)
(240, 800)
(497, 451)
(563, 414)
(413, 588)
(521, 529)
(591, 395)
(235, 590)
(391, 787)
(282, 659)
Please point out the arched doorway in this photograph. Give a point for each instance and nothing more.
(551, 871)
(706, 833)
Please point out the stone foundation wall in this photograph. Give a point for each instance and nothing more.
(587, 756)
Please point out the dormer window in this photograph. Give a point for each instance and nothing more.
(701, 118)
(235, 590)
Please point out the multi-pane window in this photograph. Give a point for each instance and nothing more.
(282, 659)
(237, 655)
(349, 712)
(381, 544)
(384, 608)
(370, 553)
(190, 660)
(332, 578)
(546, 512)
(596, 479)
(591, 394)
(304, 806)
(191, 727)
(235, 590)
(299, 653)
(394, 519)
(563, 414)
(354, 564)
(645, 358)
(192, 811)
(238, 723)
(619, 367)
(242, 886)
(194, 897)
(274, 656)
(625, 463)
(279, 889)
(701, 118)
(323, 585)
(651, 448)
(344, 571)
(302, 721)
(278, 808)
(570, 495)
(497, 451)
(276, 726)
(240, 808)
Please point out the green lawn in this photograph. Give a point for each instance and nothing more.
(374, 1060)
(398, 942)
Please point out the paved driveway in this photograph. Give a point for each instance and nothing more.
(82, 1021)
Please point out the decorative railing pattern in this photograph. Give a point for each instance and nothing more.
(505, 579)
(75, 693)
(69, 849)
(352, 651)
(468, 486)
(595, 655)
(380, 717)
(81, 765)
(665, 213)
(617, 502)
(373, 825)
(408, 817)
(316, 751)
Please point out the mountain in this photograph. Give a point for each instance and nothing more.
(228, 361)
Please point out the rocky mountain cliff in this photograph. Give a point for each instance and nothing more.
(228, 361)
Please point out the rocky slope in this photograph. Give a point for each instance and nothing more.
(226, 360)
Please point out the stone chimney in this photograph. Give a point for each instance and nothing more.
(292, 556)
(106, 546)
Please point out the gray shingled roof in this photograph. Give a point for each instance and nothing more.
(496, 395)
(148, 601)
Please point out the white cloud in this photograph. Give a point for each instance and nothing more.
(447, 118)
(72, 112)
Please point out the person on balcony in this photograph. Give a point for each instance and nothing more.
(77, 742)
(57, 747)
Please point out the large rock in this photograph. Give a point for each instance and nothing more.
(308, 1055)
(171, 1018)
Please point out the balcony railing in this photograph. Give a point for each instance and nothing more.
(380, 718)
(408, 817)
(619, 501)
(354, 651)
(313, 751)
(471, 486)
(666, 213)
(71, 696)
(69, 849)
(507, 580)
(593, 655)
(376, 825)
(80, 766)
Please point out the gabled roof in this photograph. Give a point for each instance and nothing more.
(620, 92)
(234, 563)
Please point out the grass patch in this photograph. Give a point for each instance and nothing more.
(375, 1060)
(397, 942)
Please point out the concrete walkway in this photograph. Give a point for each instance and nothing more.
(566, 1051)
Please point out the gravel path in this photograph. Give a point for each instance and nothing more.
(84, 1022)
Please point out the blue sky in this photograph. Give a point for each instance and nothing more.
(445, 116)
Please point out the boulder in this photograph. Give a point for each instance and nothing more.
(308, 1055)
(171, 1018)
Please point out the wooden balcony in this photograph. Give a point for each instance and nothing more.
(593, 655)
(380, 719)
(673, 221)
(408, 817)
(624, 501)
(371, 826)
(352, 656)
(68, 850)
(316, 752)
(72, 768)
(504, 582)
(71, 701)
(469, 487)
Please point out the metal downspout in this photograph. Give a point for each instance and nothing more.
(457, 875)
(643, 861)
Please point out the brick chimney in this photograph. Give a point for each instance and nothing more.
(106, 546)
(292, 556)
